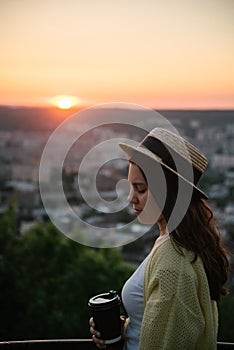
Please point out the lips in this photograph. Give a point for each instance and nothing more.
(137, 211)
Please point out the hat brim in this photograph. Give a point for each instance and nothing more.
(130, 150)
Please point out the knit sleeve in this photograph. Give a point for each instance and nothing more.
(172, 317)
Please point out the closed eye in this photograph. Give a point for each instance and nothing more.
(141, 191)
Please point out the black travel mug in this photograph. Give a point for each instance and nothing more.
(105, 309)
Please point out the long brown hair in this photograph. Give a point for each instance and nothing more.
(197, 232)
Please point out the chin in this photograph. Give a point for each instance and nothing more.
(146, 220)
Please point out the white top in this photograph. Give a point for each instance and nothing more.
(133, 300)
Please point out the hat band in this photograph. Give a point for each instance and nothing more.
(170, 157)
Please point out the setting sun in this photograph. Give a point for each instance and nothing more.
(64, 102)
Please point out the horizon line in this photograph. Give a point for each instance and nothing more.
(80, 107)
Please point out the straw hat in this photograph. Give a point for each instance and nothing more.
(172, 152)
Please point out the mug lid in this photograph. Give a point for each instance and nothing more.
(104, 299)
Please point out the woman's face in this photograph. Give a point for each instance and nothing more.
(143, 203)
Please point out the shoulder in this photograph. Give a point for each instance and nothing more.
(170, 255)
(170, 270)
(170, 260)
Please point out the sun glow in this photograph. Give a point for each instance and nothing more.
(65, 102)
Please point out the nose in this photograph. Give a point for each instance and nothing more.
(132, 197)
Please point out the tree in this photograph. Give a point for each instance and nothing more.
(48, 281)
(10, 282)
(226, 319)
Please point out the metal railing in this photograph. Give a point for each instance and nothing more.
(72, 344)
(54, 344)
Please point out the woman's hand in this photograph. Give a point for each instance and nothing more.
(96, 335)
(100, 343)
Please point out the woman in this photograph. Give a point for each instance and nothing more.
(171, 299)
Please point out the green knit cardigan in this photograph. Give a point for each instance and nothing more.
(179, 313)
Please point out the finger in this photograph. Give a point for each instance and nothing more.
(92, 331)
(95, 332)
(99, 342)
(101, 346)
(91, 322)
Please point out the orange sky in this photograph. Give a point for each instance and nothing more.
(163, 54)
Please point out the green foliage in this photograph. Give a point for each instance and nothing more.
(47, 279)
(10, 282)
(8, 224)
(226, 319)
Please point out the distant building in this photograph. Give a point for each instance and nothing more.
(25, 172)
(222, 161)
